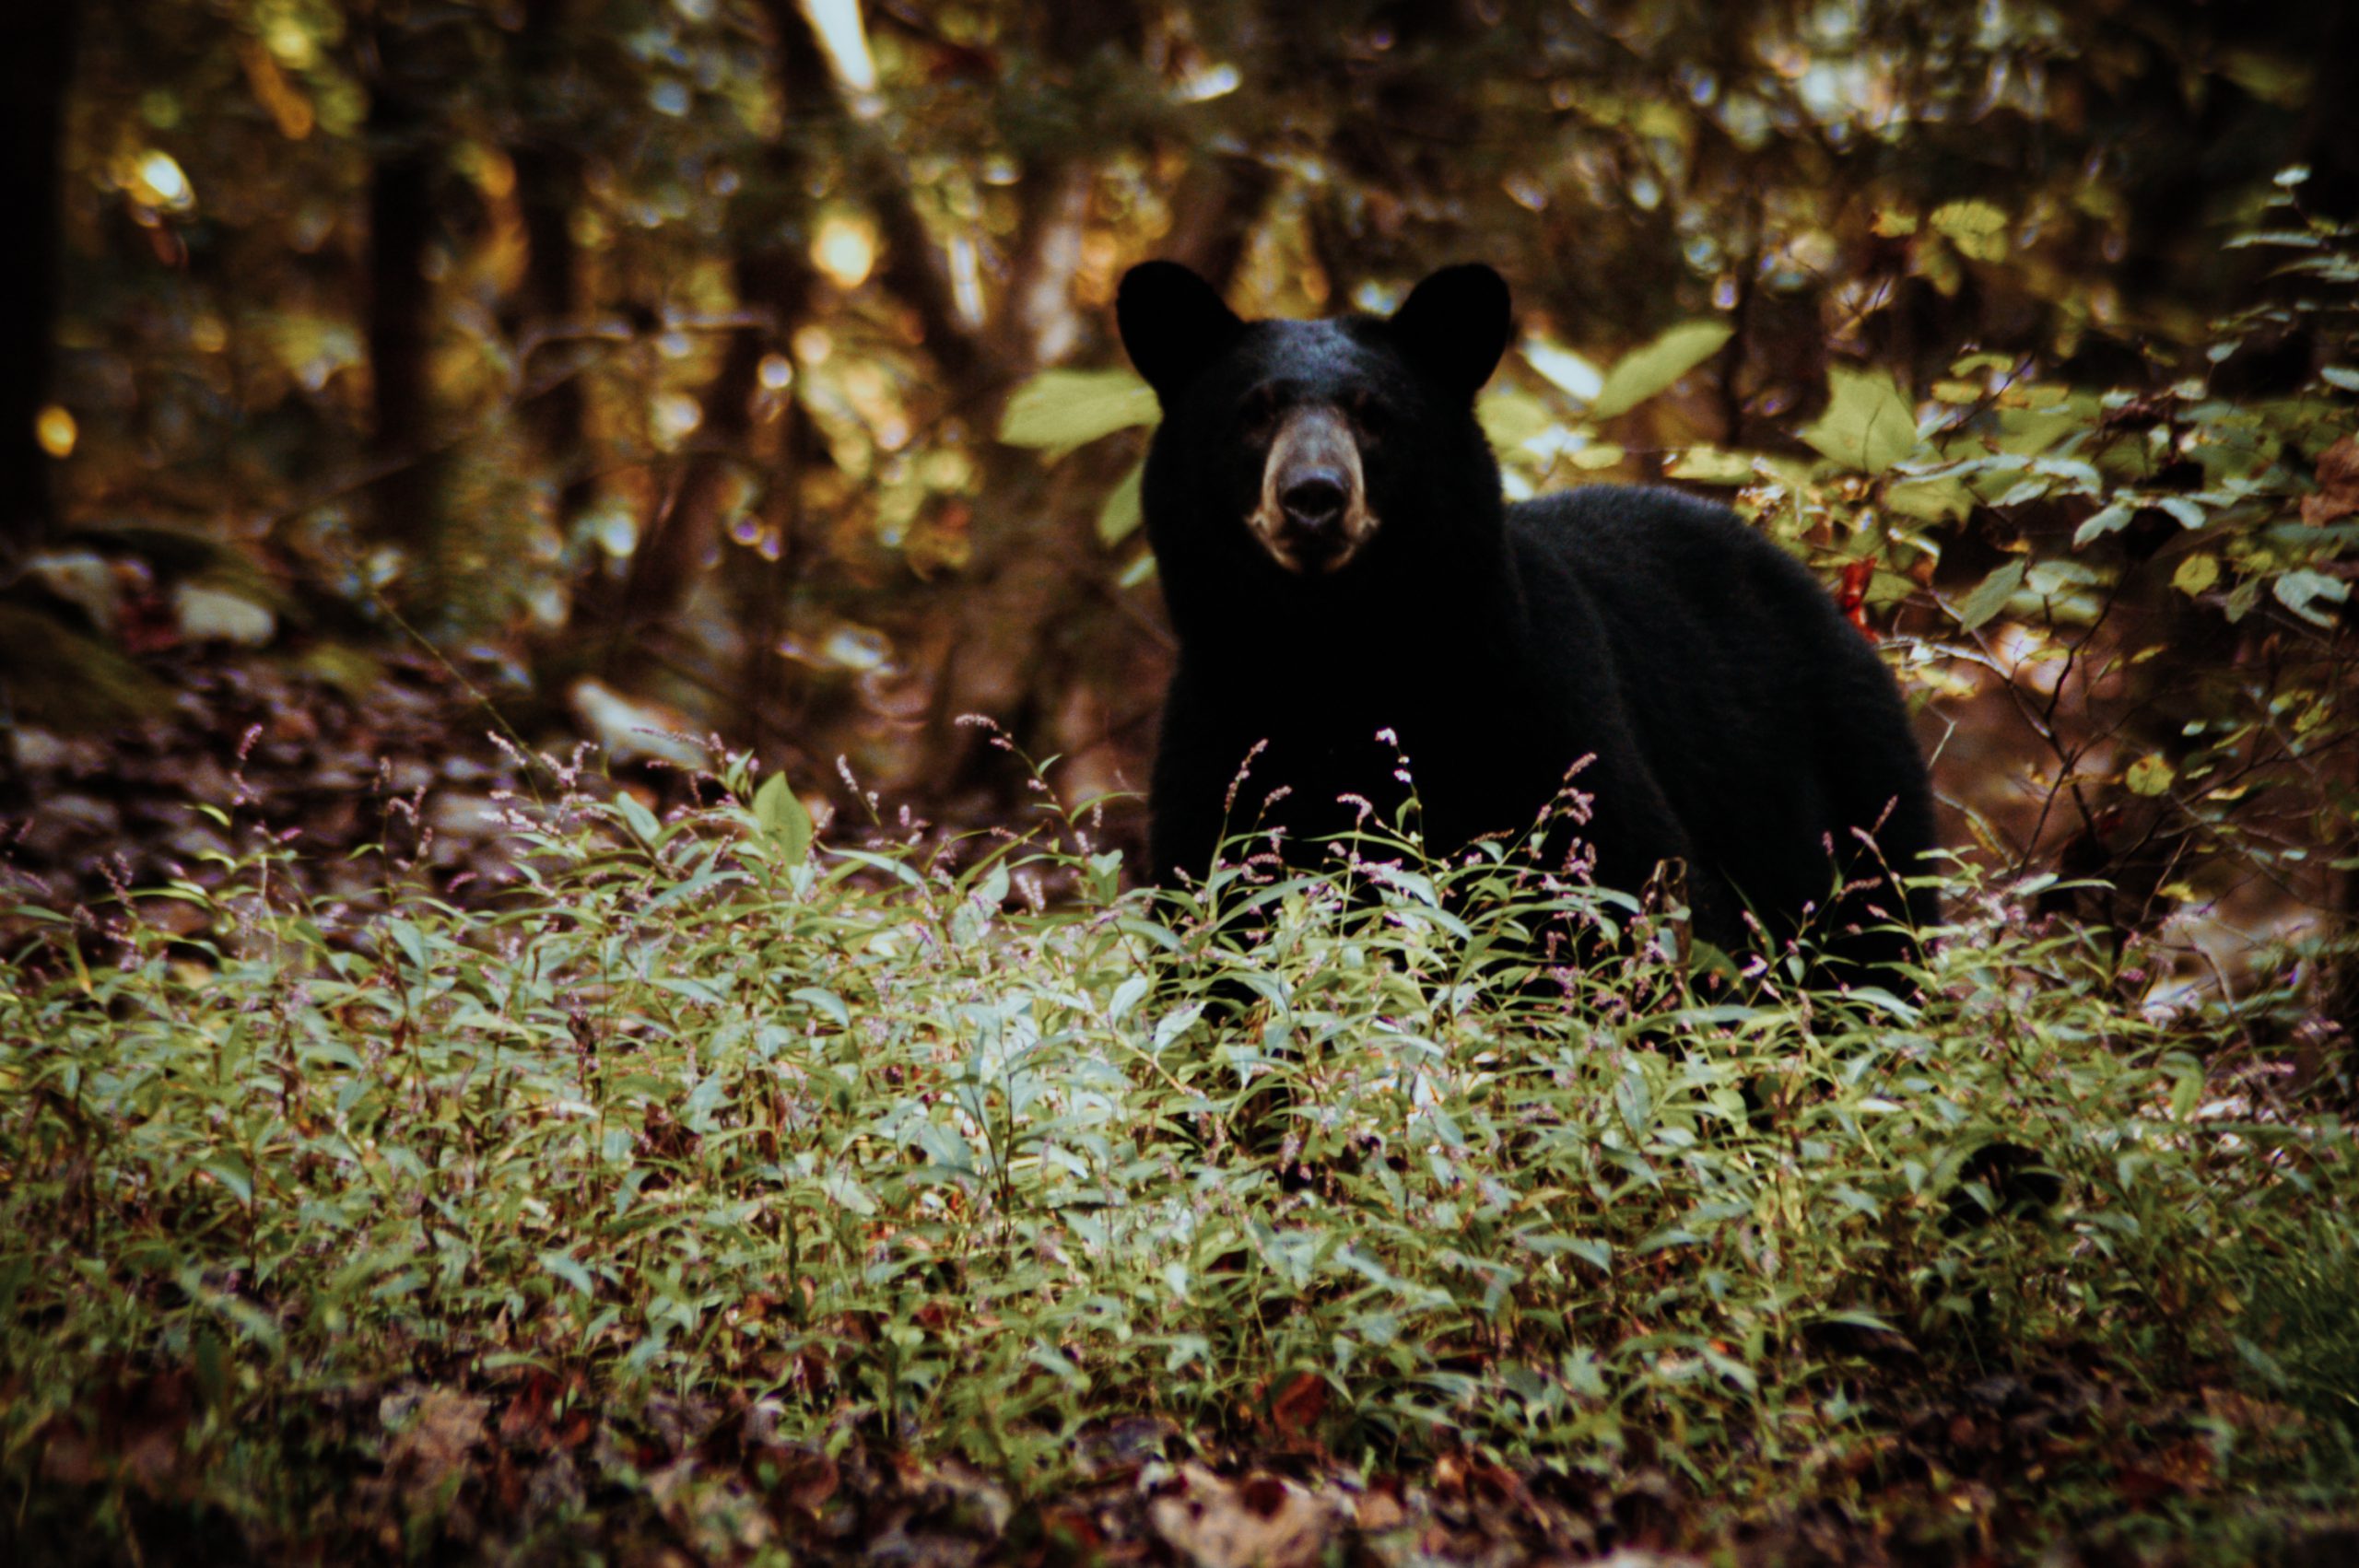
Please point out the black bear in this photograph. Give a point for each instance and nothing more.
(1348, 585)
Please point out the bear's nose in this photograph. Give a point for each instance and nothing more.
(1316, 501)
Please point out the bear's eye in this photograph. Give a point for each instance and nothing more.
(1369, 417)
(1259, 411)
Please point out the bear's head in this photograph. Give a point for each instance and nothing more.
(1320, 453)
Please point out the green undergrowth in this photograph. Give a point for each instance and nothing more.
(961, 1151)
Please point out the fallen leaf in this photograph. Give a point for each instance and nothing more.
(527, 1419)
(1265, 1521)
(2338, 476)
(1298, 1406)
(435, 1429)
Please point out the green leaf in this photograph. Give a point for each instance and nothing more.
(2300, 591)
(643, 823)
(564, 1267)
(783, 816)
(2115, 516)
(409, 940)
(1061, 409)
(232, 1173)
(1934, 500)
(1126, 996)
(1990, 595)
(1121, 516)
(2029, 431)
(209, 613)
(845, 1190)
(825, 1002)
(1868, 425)
(1566, 370)
(1641, 374)
(1175, 1023)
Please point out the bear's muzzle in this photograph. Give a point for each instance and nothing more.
(1313, 517)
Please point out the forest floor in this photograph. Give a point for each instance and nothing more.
(2060, 1468)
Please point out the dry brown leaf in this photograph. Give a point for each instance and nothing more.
(2338, 476)
(1296, 1412)
(441, 1425)
(1265, 1521)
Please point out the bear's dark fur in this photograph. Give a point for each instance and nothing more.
(1327, 521)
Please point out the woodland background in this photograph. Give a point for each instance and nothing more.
(597, 366)
(483, 484)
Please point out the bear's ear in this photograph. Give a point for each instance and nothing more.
(1454, 325)
(1173, 323)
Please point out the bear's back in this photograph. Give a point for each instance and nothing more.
(1770, 720)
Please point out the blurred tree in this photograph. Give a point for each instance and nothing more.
(1087, 84)
(546, 316)
(406, 147)
(775, 276)
(37, 48)
(773, 280)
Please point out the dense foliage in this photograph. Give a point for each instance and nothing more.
(712, 1162)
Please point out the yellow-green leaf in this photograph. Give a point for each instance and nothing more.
(1712, 465)
(1509, 418)
(2196, 573)
(1976, 228)
(1061, 409)
(1119, 517)
(1868, 425)
(1641, 374)
(2150, 775)
(1568, 372)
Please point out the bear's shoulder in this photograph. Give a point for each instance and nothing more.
(1652, 516)
(1641, 533)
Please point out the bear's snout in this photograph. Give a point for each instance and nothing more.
(1314, 507)
(1313, 517)
(1316, 501)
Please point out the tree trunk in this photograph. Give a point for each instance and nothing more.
(36, 53)
(400, 298)
(775, 282)
(1213, 214)
(549, 183)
